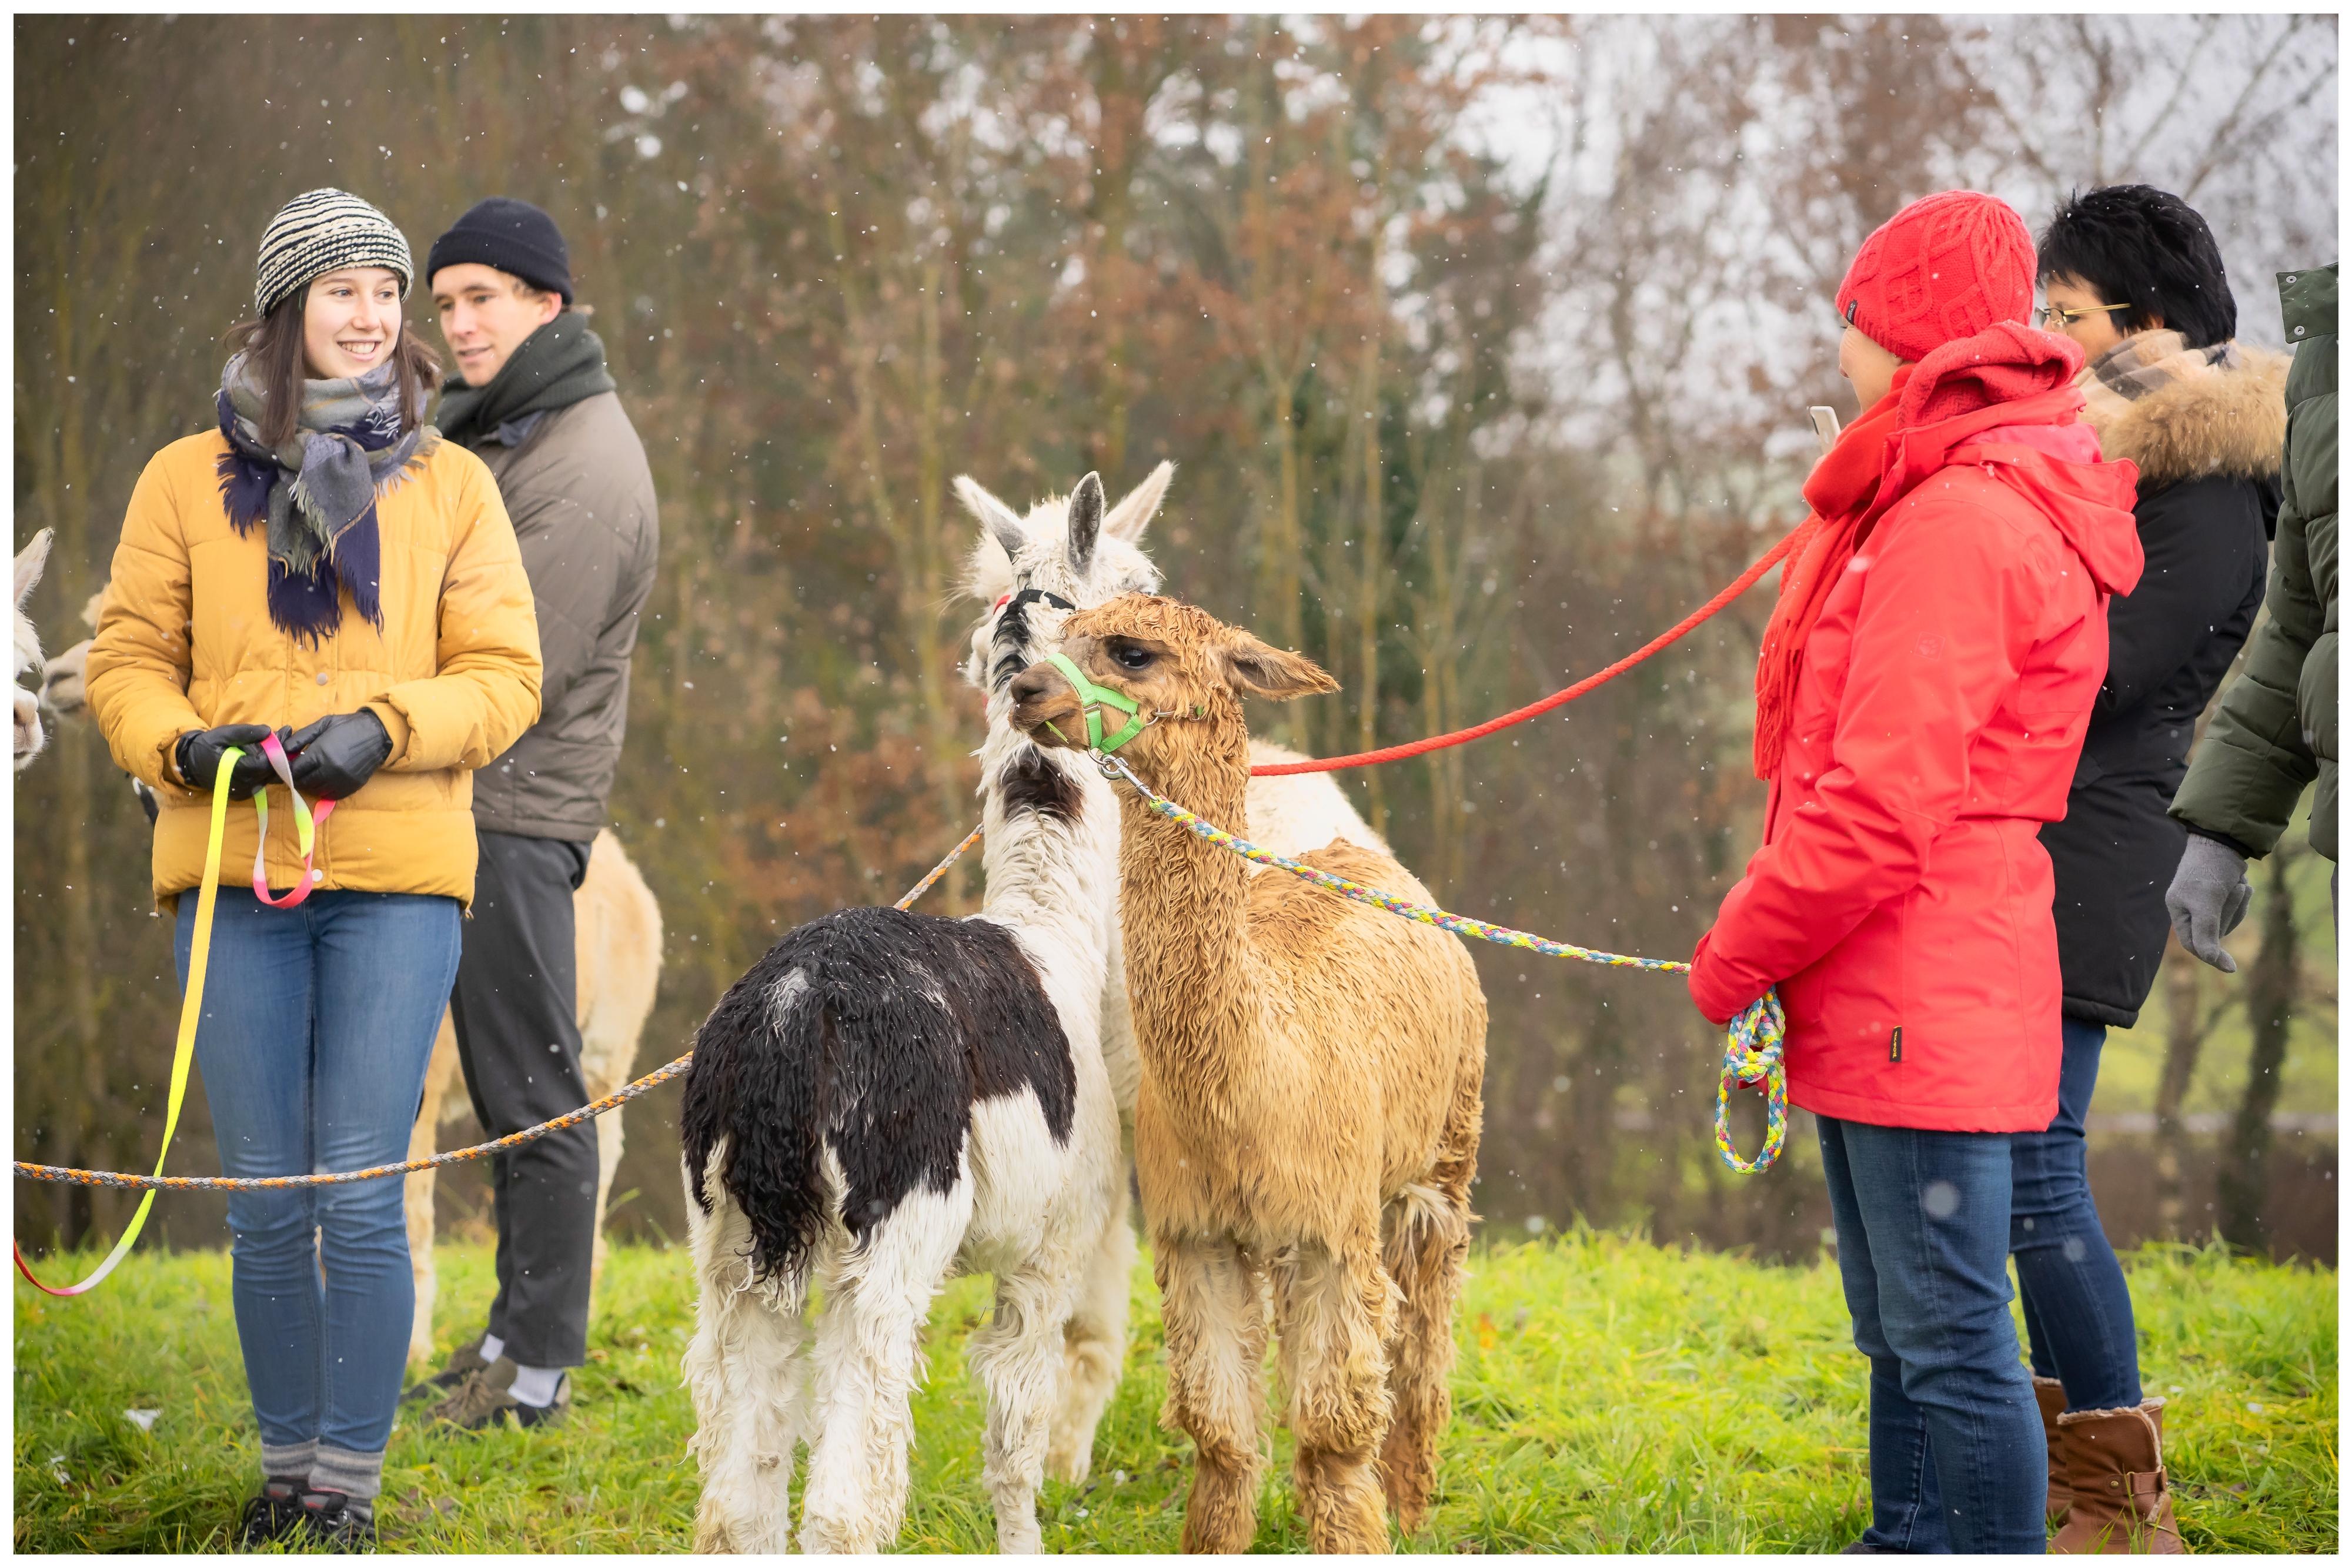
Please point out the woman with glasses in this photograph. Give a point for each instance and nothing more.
(2132, 276)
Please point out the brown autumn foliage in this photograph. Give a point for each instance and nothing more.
(1462, 420)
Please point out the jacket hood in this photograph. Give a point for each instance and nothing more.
(2005, 362)
(2089, 503)
(2231, 422)
(2006, 398)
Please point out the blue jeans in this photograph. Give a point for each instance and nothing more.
(2078, 1313)
(318, 1023)
(1956, 1457)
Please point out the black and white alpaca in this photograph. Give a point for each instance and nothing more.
(884, 1100)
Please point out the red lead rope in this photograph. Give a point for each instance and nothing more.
(1438, 742)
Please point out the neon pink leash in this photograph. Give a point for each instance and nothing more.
(306, 823)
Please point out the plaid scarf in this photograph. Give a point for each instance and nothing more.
(2143, 362)
(317, 493)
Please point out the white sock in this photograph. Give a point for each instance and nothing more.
(493, 1347)
(535, 1385)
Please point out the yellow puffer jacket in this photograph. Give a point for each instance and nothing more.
(185, 642)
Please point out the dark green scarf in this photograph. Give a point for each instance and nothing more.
(557, 366)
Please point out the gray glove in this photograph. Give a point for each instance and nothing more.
(2208, 898)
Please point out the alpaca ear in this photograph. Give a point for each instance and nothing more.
(29, 561)
(1003, 524)
(1086, 522)
(1254, 669)
(1139, 506)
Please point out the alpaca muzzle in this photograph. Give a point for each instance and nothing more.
(1040, 701)
(1046, 709)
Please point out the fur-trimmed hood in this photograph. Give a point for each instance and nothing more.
(2228, 422)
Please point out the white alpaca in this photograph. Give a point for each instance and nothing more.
(1032, 573)
(29, 737)
(887, 1099)
(617, 945)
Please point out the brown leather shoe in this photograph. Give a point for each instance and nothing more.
(2050, 1396)
(2114, 1460)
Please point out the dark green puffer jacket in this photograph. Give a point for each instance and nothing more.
(2276, 730)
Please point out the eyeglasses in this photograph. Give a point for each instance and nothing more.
(2054, 319)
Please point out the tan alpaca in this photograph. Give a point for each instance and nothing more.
(1307, 1120)
(618, 945)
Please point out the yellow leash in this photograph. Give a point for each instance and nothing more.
(191, 1010)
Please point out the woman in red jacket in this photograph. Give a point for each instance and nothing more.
(1922, 694)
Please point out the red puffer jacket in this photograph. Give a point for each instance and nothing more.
(1901, 900)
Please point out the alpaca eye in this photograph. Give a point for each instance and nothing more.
(1132, 658)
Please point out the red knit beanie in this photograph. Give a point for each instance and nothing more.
(1947, 267)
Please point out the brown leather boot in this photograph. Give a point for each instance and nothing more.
(2115, 1461)
(2050, 1396)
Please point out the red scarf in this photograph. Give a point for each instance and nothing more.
(1843, 485)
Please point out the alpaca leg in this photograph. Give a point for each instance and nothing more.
(1094, 1349)
(1427, 1240)
(608, 1160)
(1216, 1327)
(868, 1358)
(1018, 1358)
(746, 1369)
(1333, 1315)
(1428, 1237)
(439, 1071)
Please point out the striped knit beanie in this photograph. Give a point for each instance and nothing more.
(1944, 268)
(317, 232)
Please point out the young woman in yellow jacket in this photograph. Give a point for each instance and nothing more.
(323, 567)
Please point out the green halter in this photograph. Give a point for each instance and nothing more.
(1092, 697)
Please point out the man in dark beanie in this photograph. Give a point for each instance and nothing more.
(532, 400)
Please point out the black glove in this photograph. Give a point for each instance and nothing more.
(198, 755)
(335, 756)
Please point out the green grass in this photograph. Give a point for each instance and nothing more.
(1612, 1396)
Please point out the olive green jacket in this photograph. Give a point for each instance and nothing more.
(2275, 731)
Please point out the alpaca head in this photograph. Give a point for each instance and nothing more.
(1185, 671)
(1071, 549)
(29, 563)
(61, 674)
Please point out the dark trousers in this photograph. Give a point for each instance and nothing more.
(1956, 1457)
(515, 1007)
(2078, 1312)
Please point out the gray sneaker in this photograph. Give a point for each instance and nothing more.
(487, 1399)
(464, 1362)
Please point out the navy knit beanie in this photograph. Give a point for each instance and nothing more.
(510, 236)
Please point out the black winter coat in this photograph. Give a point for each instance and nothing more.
(2208, 450)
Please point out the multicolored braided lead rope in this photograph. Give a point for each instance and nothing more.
(620, 1096)
(1753, 1044)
